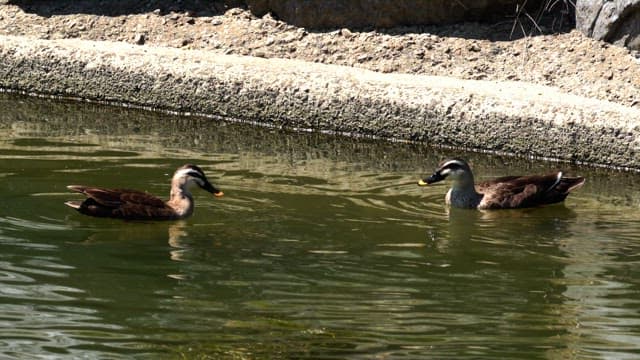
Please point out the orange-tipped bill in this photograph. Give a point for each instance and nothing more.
(431, 179)
(212, 189)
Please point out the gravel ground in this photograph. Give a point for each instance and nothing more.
(568, 60)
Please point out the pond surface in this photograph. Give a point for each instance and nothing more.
(322, 248)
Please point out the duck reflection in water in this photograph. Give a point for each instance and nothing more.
(541, 225)
(140, 233)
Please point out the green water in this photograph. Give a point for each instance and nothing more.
(322, 248)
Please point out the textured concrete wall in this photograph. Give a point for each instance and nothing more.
(510, 117)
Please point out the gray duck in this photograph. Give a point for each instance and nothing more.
(507, 192)
(138, 205)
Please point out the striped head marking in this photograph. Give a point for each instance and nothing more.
(456, 168)
(193, 174)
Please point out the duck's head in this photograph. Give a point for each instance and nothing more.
(457, 169)
(189, 175)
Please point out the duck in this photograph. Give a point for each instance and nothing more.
(129, 204)
(509, 192)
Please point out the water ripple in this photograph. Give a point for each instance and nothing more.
(323, 248)
(18, 223)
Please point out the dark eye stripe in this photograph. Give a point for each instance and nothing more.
(196, 174)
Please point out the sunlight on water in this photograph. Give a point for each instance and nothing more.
(322, 248)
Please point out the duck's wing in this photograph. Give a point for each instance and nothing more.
(120, 203)
(117, 197)
(527, 191)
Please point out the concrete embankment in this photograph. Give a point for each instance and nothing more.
(520, 118)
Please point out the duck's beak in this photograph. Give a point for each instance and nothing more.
(213, 189)
(431, 179)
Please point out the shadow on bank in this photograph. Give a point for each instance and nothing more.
(506, 19)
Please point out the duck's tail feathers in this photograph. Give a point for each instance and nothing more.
(74, 204)
(573, 183)
(77, 188)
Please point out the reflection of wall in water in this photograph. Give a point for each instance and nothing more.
(266, 150)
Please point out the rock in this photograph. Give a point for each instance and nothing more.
(363, 58)
(346, 33)
(474, 47)
(608, 75)
(612, 21)
(140, 39)
(234, 12)
(182, 42)
(385, 14)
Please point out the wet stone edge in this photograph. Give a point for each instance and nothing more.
(506, 117)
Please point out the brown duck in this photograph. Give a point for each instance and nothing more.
(137, 205)
(507, 192)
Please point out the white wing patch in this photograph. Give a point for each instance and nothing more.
(558, 178)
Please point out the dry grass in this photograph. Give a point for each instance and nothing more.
(553, 15)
